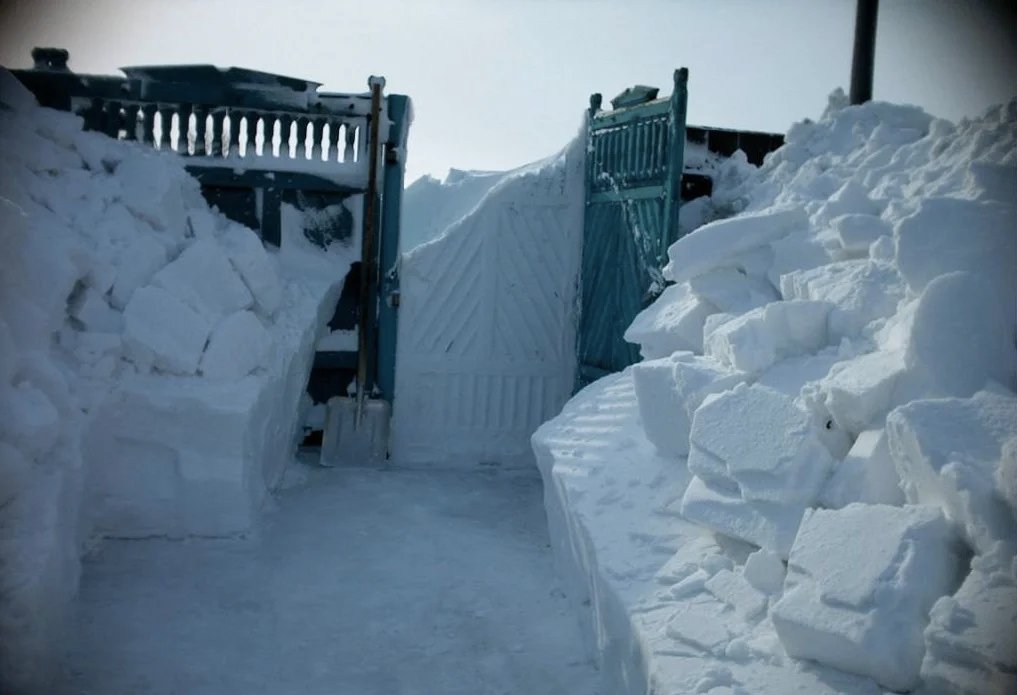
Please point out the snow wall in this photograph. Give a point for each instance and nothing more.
(486, 346)
(808, 484)
(152, 357)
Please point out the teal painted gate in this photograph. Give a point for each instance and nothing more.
(634, 164)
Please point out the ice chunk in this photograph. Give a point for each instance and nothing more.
(860, 583)
(711, 245)
(765, 571)
(136, 265)
(237, 347)
(963, 336)
(947, 452)
(766, 445)
(755, 340)
(162, 331)
(673, 322)
(867, 474)
(203, 278)
(249, 258)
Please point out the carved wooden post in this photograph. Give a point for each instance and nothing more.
(317, 133)
(148, 124)
(200, 130)
(131, 121)
(351, 138)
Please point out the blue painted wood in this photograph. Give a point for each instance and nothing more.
(634, 166)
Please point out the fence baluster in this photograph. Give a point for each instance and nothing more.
(351, 137)
(148, 124)
(200, 131)
(130, 125)
(317, 132)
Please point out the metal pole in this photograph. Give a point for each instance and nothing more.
(864, 58)
(368, 255)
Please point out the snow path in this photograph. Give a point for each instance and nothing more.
(361, 582)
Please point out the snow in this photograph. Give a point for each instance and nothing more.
(358, 582)
(831, 381)
(153, 357)
(861, 581)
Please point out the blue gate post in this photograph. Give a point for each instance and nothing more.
(392, 193)
(676, 131)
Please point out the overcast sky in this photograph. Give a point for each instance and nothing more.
(499, 83)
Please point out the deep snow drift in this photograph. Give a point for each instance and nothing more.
(808, 483)
(152, 356)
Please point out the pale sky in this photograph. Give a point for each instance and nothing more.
(499, 83)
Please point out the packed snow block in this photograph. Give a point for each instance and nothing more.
(947, 452)
(867, 474)
(769, 525)
(161, 331)
(660, 407)
(237, 346)
(860, 290)
(732, 290)
(157, 191)
(756, 340)
(858, 231)
(797, 251)
(252, 262)
(859, 392)
(703, 626)
(1006, 475)
(765, 571)
(711, 245)
(971, 639)
(673, 322)
(94, 314)
(734, 590)
(759, 440)
(952, 234)
(963, 336)
(203, 278)
(860, 583)
(850, 198)
(137, 262)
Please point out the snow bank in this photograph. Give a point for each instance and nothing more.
(830, 381)
(153, 354)
(486, 341)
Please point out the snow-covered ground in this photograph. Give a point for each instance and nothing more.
(359, 582)
(808, 483)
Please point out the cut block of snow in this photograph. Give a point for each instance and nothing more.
(860, 391)
(861, 292)
(95, 314)
(203, 278)
(767, 445)
(136, 265)
(867, 474)
(732, 291)
(673, 322)
(702, 626)
(850, 198)
(660, 407)
(156, 192)
(971, 640)
(947, 452)
(92, 347)
(734, 590)
(755, 340)
(765, 571)
(858, 231)
(1006, 475)
(237, 346)
(711, 245)
(951, 234)
(251, 260)
(860, 583)
(963, 335)
(161, 331)
(798, 251)
(766, 524)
